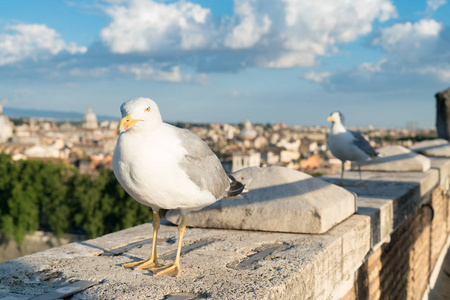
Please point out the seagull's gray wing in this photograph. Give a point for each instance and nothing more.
(363, 144)
(202, 165)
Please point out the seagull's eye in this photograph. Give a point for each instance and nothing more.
(148, 109)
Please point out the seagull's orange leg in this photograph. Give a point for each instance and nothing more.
(173, 270)
(152, 261)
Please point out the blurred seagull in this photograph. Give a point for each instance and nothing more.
(348, 145)
(166, 167)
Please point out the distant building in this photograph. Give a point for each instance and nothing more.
(39, 151)
(248, 132)
(260, 142)
(90, 120)
(6, 127)
(291, 144)
(270, 158)
(288, 156)
(245, 160)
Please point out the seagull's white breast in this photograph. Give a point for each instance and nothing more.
(146, 165)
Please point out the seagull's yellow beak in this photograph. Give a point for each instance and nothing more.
(330, 119)
(127, 122)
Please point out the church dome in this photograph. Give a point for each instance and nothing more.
(248, 133)
(90, 120)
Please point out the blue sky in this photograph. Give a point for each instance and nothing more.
(380, 62)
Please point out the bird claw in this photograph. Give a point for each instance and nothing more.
(133, 264)
(142, 264)
(148, 265)
(172, 271)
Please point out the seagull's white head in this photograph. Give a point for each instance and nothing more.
(336, 118)
(139, 114)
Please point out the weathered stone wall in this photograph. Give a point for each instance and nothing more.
(401, 269)
(387, 250)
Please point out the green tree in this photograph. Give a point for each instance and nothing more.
(34, 193)
(21, 214)
(54, 200)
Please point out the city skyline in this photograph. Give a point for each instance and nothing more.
(379, 62)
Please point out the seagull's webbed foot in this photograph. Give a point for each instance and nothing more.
(173, 270)
(361, 183)
(143, 264)
(341, 183)
(150, 263)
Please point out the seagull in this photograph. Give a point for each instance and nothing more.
(165, 167)
(347, 145)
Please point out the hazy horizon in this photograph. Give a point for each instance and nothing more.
(72, 116)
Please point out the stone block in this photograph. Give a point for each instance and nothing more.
(279, 199)
(381, 213)
(396, 159)
(443, 114)
(437, 147)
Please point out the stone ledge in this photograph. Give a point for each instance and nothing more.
(389, 198)
(309, 264)
(279, 200)
(396, 159)
(299, 266)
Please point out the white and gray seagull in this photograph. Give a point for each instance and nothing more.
(347, 145)
(165, 167)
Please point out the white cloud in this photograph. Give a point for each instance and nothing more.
(35, 41)
(146, 71)
(262, 33)
(408, 32)
(372, 67)
(409, 42)
(433, 5)
(415, 55)
(442, 72)
(149, 26)
(251, 28)
(317, 77)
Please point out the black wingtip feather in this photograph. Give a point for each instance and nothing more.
(235, 187)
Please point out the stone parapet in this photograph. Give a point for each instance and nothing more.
(386, 250)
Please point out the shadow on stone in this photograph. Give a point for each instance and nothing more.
(405, 196)
(261, 253)
(184, 296)
(186, 249)
(91, 246)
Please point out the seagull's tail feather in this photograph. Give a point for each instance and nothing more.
(235, 187)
